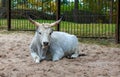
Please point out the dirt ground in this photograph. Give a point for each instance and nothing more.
(16, 61)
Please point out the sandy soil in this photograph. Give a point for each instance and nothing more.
(16, 61)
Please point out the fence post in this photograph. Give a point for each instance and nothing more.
(9, 14)
(118, 24)
(58, 13)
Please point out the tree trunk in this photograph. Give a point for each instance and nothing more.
(75, 11)
(76, 4)
(3, 9)
(3, 3)
(111, 11)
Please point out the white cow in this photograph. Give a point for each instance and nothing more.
(58, 44)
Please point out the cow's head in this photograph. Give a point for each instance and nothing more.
(44, 31)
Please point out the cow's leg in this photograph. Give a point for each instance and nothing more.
(76, 53)
(57, 55)
(36, 58)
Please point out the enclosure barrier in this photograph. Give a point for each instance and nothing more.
(84, 18)
(118, 24)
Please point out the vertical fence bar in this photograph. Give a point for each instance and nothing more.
(8, 14)
(58, 13)
(118, 24)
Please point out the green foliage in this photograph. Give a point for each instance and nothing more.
(95, 6)
(40, 5)
(101, 7)
(67, 7)
(0, 3)
(98, 6)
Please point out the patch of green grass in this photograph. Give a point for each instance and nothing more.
(3, 23)
(23, 24)
(89, 30)
(81, 30)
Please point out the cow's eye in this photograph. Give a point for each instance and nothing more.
(50, 33)
(40, 33)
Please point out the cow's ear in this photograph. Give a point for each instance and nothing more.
(34, 22)
(56, 22)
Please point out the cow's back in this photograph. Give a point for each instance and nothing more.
(67, 41)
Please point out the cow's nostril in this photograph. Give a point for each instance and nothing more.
(45, 43)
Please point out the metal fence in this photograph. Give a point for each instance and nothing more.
(84, 18)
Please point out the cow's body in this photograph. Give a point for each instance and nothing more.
(61, 44)
(58, 44)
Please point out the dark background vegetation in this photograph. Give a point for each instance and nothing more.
(80, 11)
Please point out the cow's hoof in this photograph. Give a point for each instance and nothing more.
(74, 56)
(56, 59)
(37, 60)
